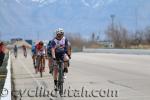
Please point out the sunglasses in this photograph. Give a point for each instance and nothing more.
(60, 32)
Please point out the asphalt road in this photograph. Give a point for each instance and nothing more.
(92, 76)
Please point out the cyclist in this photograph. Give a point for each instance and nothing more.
(15, 51)
(40, 52)
(34, 54)
(49, 57)
(24, 50)
(59, 50)
(2, 54)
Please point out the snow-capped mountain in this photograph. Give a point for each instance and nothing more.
(88, 3)
(35, 2)
(96, 3)
(79, 16)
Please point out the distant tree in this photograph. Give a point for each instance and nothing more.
(76, 39)
(93, 37)
(124, 37)
(147, 35)
(137, 38)
(118, 35)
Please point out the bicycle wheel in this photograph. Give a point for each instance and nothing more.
(41, 69)
(41, 73)
(61, 89)
(60, 79)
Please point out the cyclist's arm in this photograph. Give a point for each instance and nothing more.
(45, 51)
(68, 48)
(53, 45)
(36, 50)
(53, 52)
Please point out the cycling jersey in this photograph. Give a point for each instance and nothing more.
(49, 48)
(15, 49)
(60, 47)
(33, 50)
(40, 50)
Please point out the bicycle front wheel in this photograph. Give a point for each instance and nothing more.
(61, 79)
(41, 74)
(41, 69)
(61, 89)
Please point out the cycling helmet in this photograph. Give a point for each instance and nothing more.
(60, 31)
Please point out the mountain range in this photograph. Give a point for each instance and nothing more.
(27, 18)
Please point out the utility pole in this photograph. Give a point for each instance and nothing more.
(112, 20)
(112, 24)
(136, 19)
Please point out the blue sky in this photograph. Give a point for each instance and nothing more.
(26, 18)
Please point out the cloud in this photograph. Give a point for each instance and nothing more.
(35, 0)
(110, 1)
(85, 3)
(51, 1)
(97, 3)
(18, 1)
(39, 3)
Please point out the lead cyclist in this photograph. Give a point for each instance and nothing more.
(59, 50)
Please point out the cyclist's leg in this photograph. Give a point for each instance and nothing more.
(37, 62)
(50, 64)
(33, 58)
(15, 53)
(43, 59)
(23, 52)
(55, 74)
(43, 62)
(26, 52)
(66, 59)
(55, 77)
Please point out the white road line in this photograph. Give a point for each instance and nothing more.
(38, 83)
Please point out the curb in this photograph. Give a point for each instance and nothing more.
(7, 85)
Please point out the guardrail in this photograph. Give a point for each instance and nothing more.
(7, 85)
(119, 51)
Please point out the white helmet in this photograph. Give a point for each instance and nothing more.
(60, 31)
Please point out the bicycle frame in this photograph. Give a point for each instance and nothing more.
(40, 64)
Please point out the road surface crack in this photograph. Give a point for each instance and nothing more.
(115, 83)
